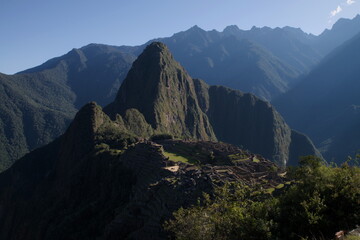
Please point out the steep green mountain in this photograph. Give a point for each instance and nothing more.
(173, 103)
(325, 104)
(159, 88)
(38, 104)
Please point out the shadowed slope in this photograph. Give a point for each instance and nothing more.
(325, 104)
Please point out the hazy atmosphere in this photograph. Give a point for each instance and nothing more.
(34, 31)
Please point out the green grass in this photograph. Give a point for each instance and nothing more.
(176, 158)
(240, 160)
(352, 238)
(256, 160)
(115, 152)
(270, 190)
(172, 180)
(238, 156)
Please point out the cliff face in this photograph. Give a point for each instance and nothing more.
(245, 120)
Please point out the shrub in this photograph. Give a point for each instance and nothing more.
(321, 200)
(159, 137)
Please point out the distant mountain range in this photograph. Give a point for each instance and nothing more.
(40, 102)
(326, 103)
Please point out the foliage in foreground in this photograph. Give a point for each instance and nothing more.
(322, 200)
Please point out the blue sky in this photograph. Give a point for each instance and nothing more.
(37, 30)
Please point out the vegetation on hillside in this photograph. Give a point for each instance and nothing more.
(321, 200)
(38, 104)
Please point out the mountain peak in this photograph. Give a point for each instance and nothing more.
(195, 27)
(159, 88)
(89, 118)
(156, 47)
(157, 54)
(145, 77)
(231, 29)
